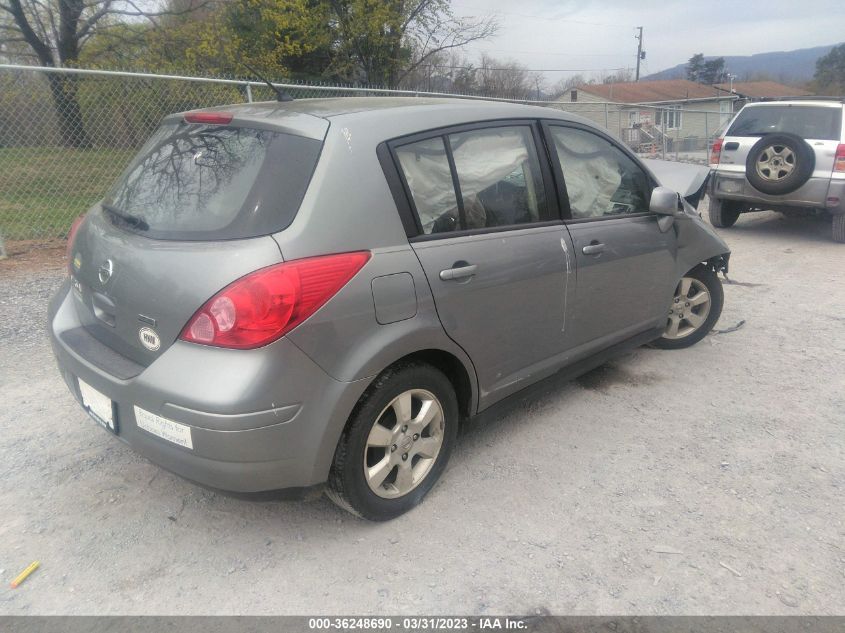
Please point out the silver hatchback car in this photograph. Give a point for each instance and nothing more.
(318, 292)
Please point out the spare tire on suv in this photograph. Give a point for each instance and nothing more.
(779, 163)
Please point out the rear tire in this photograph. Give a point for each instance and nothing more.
(397, 443)
(839, 228)
(694, 310)
(724, 213)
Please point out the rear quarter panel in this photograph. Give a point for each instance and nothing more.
(349, 207)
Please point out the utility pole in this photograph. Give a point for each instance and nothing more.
(640, 53)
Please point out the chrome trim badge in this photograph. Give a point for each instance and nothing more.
(106, 271)
(149, 339)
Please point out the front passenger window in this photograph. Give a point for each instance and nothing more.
(601, 180)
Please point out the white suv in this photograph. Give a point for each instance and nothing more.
(787, 156)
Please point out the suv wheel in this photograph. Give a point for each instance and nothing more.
(839, 228)
(779, 163)
(724, 213)
(397, 443)
(694, 310)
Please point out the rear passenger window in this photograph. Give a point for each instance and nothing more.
(498, 174)
(601, 180)
(499, 177)
(426, 169)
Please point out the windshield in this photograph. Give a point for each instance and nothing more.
(204, 182)
(808, 122)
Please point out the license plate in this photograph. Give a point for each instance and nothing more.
(98, 405)
(165, 429)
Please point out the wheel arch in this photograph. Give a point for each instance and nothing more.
(454, 370)
(459, 371)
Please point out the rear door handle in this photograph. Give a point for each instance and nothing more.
(460, 272)
(595, 248)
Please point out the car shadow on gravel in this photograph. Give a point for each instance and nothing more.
(810, 229)
(476, 431)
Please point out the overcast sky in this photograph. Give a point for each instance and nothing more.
(599, 34)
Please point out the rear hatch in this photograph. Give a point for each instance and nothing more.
(820, 125)
(192, 213)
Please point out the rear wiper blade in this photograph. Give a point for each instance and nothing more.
(135, 221)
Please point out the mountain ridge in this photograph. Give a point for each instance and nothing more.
(787, 67)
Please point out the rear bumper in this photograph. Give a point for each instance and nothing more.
(816, 193)
(259, 420)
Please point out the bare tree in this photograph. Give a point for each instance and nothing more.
(507, 79)
(400, 36)
(435, 30)
(621, 76)
(54, 33)
(565, 85)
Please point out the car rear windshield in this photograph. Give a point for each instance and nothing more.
(808, 122)
(211, 182)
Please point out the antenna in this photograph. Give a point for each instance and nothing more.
(281, 95)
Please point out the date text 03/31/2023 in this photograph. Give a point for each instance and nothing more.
(417, 623)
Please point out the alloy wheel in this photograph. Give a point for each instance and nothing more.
(403, 443)
(689, 309)
(775, 163)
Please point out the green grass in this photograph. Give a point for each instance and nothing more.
(43, 189)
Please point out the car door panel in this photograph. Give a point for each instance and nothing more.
(510, 314)
(626, 265)
(627, 287)
(496, 254)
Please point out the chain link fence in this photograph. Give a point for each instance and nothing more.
(65, 135)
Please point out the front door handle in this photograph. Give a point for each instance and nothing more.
(461, 271)
(594, 248)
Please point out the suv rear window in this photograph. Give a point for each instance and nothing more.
(808, 122)
(211, 182)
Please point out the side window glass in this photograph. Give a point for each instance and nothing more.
(499, 177)
(601, 180)
(427, 172)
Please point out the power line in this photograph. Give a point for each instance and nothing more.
(506, 50)
(532, 70)
(547, 18)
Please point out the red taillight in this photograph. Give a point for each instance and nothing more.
(71, 236)
(716, 151)
(839, 159)
(269, 303)
(209, 118)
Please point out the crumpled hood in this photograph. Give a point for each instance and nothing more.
(687, 179)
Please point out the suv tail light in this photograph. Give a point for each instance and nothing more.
(267, 304)
(71, 236)
(716, 151)
(839, 159)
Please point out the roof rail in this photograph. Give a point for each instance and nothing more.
(804, 98)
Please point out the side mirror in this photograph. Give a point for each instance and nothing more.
(664, 201)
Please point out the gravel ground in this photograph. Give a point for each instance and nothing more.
(704, 481)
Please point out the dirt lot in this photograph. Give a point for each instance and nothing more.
(705, 481)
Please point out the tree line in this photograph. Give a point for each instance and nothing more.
(414, 44)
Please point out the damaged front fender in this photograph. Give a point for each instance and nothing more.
(698, 244)
(697, 241)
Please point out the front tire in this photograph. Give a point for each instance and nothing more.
(397, 443)
(724, 213)
(694, 310)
